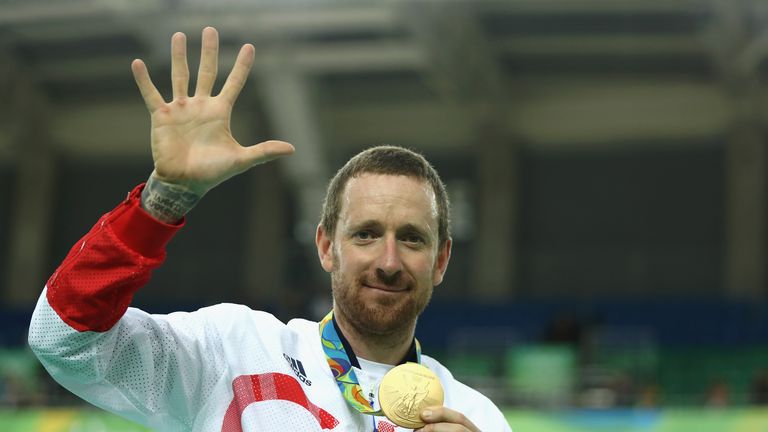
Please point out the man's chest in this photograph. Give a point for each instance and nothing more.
(290, 388)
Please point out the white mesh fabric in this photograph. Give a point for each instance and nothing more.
(144, 368)
(277, 415)
(176, 372)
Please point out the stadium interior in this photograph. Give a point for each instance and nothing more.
(606, 162)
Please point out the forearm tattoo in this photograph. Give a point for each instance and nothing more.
(167, 202)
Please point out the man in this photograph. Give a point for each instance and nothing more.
(383, 238)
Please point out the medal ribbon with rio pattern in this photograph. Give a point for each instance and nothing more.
(341, 358)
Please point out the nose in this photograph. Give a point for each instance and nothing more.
(390, 264)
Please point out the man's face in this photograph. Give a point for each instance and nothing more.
(384, 258)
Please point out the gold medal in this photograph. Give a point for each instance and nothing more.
(406, 390)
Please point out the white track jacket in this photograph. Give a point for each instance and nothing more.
(222, 368)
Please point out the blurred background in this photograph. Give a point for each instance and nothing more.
(606, 162)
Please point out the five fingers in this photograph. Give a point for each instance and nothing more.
(265, 152)
(179, 68)
(149, 92)
(239, 74)
(209, 58)
(207, 71)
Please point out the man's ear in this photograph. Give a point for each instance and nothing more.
(441, 264)
(324, 245)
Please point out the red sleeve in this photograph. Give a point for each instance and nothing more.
(94, 285)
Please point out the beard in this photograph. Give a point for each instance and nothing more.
(383, 316)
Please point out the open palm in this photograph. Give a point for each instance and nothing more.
(192, 143)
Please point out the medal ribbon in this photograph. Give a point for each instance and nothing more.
(341, 358)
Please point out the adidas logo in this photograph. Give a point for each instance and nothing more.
(298, 369)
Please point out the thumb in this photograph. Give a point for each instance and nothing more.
(265, 152)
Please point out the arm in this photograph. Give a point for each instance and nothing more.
(193, 151)
(82, 329)
(117, 358)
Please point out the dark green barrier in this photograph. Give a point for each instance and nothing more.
(671, 420)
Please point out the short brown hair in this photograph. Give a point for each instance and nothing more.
(390, 160)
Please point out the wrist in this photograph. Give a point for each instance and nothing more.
(168, 202)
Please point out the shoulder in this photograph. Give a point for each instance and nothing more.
(470, 402)
(303, 325)
(230, 311)
(227, 317)
(237, 317)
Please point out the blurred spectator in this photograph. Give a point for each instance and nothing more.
(648, 396)
(758, 391)
(623, 387)
(564, 330)
(12, 391)
(718, 395)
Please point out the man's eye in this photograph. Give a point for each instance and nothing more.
(363, 235)
(413, 238)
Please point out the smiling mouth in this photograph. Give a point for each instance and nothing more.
(385, 288)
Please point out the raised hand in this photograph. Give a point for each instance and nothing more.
(192, 144)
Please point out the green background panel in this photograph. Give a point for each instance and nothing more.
(671, 420)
